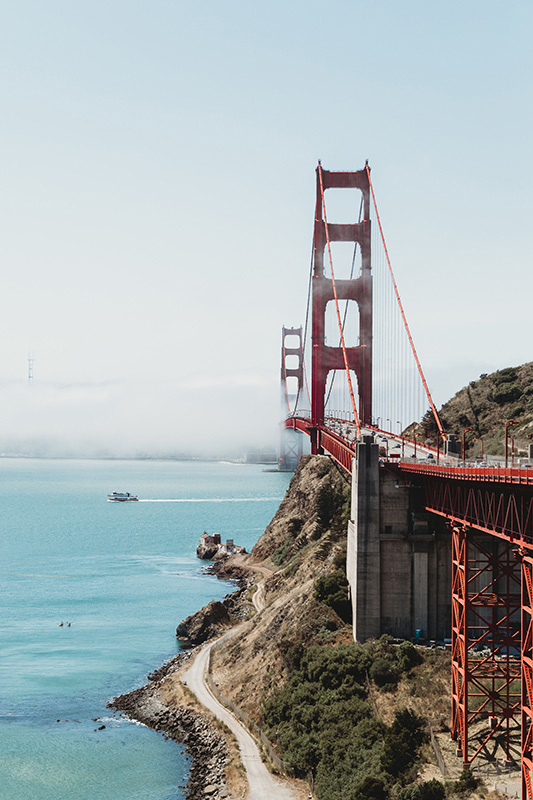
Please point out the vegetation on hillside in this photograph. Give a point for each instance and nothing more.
(323, 723)
(485, 405)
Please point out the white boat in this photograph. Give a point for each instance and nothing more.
(122, 497)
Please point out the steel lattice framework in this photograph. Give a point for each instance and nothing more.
(490, 513)
(527, 675)
(485, 638)
(496, 501)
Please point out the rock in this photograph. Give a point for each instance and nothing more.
(206, 746)
(207, 622)
(206, 551)
(210, 547)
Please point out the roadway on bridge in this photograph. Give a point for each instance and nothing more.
(394, 444)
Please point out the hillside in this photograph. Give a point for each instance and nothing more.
(485, 405)
(352, 719)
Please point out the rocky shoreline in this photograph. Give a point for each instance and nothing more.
(205, 744)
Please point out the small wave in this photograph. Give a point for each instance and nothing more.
(123, 720)
(114, 721)
(39, 575)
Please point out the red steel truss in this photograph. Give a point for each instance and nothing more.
(486, 607)
(527, 675)
(502, 508)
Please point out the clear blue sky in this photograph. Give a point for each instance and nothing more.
(158, 194)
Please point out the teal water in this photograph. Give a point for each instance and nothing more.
(123, 575)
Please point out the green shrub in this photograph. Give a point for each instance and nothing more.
(402, 742)
(292, 568)
(467, 783)
(283, 552)
(506, 375)
(408, 656)
(506, 393)
(315, 715)
(430, 790)
(325, 505)
(340, 560)
(384, 673)
(291, 653)
(323, 724)
(332, 590)
(371, 789)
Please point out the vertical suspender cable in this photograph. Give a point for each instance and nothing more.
(396, 292)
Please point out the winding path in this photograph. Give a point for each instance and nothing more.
(262, 784)
(258, 597)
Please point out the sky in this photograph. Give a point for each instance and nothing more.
(158, 184)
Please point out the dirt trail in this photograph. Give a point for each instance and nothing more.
(261, 783)
(258, 597)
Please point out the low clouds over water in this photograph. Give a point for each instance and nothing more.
(225, 416)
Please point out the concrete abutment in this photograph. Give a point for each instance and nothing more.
(398, 558)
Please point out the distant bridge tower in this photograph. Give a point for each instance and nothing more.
(291, 442)
(326, 358)
(30, 366)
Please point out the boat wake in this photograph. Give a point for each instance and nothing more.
(210, 500)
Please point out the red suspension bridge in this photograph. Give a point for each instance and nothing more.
(365, 378)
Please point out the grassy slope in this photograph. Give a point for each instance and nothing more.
(486, 405)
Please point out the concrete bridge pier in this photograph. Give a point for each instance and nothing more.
(399, 555)
(363, 557)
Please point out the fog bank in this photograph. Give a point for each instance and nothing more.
(225, 417)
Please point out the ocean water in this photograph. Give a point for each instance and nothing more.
(123, 575)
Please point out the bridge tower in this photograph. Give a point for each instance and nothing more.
(326, 358)
(291, 442)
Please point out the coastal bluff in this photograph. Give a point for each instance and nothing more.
(292, 598)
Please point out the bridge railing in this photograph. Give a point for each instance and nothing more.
(495, 474)
(334, 444)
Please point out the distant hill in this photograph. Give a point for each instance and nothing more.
(486, 405)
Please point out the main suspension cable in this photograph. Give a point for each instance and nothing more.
(404, 318)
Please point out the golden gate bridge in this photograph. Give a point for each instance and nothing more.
(364, 380)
